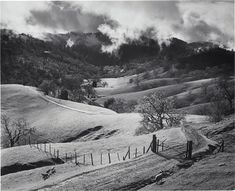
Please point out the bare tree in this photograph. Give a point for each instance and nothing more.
(221, 99)
(226, 90)
(16, 130)
(157, 109)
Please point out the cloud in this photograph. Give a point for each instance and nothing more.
(187, 20)
(208, 21)
(63, 16)
(121, 20)
(14, 14)
(37, 18)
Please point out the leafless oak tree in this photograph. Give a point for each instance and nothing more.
(15, 130)
(157, 109)
(226, 90)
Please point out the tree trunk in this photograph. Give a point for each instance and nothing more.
(12, 143)
(161, 123)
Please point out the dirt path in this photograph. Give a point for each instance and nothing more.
(66, 107)
(46, 98)
(130, 175)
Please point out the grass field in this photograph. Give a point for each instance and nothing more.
(59, 120)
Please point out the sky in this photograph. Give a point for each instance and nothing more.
(188, 20)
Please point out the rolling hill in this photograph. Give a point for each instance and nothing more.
(58, 120)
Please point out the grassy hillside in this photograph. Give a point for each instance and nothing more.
(121, 88)
(142, 169)
(57, 120)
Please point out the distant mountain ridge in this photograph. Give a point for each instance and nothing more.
(28, 60)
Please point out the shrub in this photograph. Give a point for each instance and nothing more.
(120, 105)
(131, 80)
(47, 87)
(64, 95)
(217, 110)
(109, 102)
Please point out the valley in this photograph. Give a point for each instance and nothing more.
(60, 120)
(148, 115)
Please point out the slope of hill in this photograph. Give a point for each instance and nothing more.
(142, 169)
(67, 171)
(122, 89)
(57, 120)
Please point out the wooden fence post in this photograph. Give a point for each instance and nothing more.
(135, 152)
(45, 147)
(150, 147)
(154, 144)
(92, 163)
(109, 158)
(162, 146)
(128, 153)
(143, 150)
(66, 157)
(71, 158)
(84, 159)
(222, 146)
(37, 145)
(58, 153)
(118, 157)
(101, 158)
(29, 142)
(54, 153)
(50, 148)
(76, 158)
(189, 149)
(157, 145)
(186, 154)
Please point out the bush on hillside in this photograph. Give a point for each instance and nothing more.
(109, 102)
(48, 87)
(222, 99)
(217, 110)
(120, 105)
(64, 95)
(131, 80)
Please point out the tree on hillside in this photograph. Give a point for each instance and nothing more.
(120, 105)
(90, 91)
(157, 109)
(226, 90)
(14, 131)
(221, 99)
(64, 94)
(47, 87)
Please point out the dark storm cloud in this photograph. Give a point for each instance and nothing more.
(203, 31)
(187, 20)
(63, 16)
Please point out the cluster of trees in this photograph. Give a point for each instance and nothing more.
(68, 88)
(29, 61)
(216, 99)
